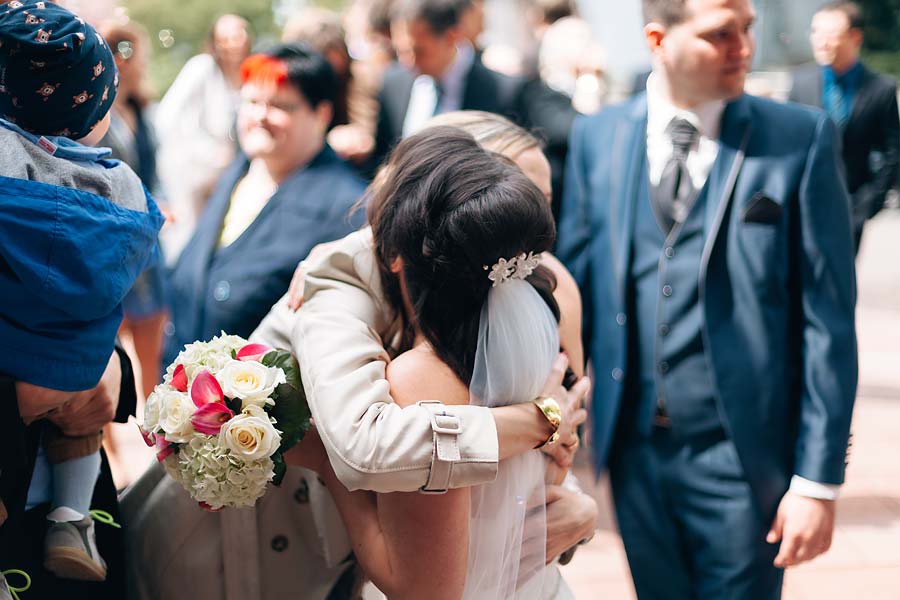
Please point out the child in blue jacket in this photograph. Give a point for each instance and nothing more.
(77, 230)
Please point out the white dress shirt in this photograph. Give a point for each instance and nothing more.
(707, 118)
(424, 102)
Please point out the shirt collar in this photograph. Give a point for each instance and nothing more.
(65, 147)
(456, 72)
(849, 78)
(706, 117)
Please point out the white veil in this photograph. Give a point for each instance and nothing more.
(518, 340)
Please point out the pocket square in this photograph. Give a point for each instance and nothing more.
(762, 209)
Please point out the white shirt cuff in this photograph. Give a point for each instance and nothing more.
(813, 489)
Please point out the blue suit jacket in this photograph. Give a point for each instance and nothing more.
(777, 281)
(233, 288)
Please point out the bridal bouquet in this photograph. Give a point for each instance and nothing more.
(223, 416)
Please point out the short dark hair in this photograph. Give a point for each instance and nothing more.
(447, 207)
(666, 12)
(305, 70)
(439, 15)
(552, 11)
(851, 10)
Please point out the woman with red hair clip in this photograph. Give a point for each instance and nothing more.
(286, 192)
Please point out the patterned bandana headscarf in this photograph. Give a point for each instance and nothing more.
(57, 75)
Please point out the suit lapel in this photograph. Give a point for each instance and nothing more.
(863, 95)
(735, 133)
(627, 170)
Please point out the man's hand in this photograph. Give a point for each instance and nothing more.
(571, 517)
(89, 411)
(35, 402)
(804, 526)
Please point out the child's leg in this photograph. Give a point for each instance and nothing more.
(73, 487)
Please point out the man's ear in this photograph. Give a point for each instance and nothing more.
(856, 35)
(654, 33)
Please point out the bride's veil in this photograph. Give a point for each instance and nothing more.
(518, 340)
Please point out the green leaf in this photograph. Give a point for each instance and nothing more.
(280, 468)
(291, 411)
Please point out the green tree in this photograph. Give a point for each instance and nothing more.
(179, 29)
(881, 49)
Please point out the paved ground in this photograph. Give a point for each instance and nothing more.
(864, 561)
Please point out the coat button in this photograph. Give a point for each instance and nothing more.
(617, 374)
(663, 367)
(667, 290)
(279, 543)
(621, 319)
(302, 493)
(663, 330)
(222, 291)
(669, 251)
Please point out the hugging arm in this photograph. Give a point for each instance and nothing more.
(400, 537)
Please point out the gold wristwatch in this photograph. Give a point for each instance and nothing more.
(551, 411)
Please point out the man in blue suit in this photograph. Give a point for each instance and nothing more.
(710, 235)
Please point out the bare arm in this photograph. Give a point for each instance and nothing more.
(400, 537)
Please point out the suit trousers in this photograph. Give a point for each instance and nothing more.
(688, 519)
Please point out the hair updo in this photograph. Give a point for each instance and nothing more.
(448, 208)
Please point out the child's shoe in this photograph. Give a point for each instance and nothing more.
(70, 551)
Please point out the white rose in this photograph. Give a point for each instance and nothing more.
(176, 410)
(250, 437)
(152, 408)
(249, 380)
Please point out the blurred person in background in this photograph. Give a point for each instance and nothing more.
(195, 123)
(861, 102)
(709, 231)
(132, 139)
(571, 61)
(286, 192)
(438, 72)
(351, 134)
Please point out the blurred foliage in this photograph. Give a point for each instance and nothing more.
(179, 28)
(882, 25)
(883, 62)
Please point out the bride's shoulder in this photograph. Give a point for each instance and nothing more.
(419, 374)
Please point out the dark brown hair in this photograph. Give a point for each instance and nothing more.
(852, 11)
(447, 209)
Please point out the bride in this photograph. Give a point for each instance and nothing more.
(458, 233)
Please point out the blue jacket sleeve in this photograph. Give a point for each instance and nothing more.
(828, 301)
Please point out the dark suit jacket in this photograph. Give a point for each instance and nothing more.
(232, 288)
(777, 281)
(871, 137)
(484, 90)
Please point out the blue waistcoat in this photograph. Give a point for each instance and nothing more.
(671, 369)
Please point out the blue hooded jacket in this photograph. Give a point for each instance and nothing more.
(76, 230)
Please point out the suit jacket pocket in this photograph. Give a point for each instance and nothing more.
(762, 209)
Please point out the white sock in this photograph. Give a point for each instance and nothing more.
(64, 514)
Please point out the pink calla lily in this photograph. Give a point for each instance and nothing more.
(164, 448)
(149, 437)
(209, 418)
(253, 352)
(208, 507)
(206, 389)
(179, 379)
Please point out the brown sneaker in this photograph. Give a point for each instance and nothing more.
(70, 551)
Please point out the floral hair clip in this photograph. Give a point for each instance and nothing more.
(518, 267)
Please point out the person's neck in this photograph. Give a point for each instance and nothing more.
(845, 67)
(280, 168)
(677, 98)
